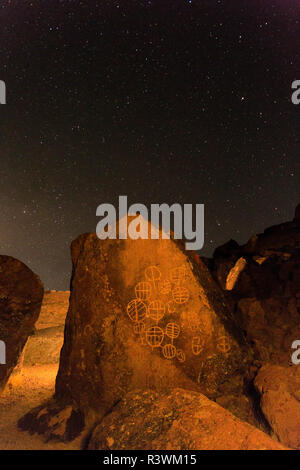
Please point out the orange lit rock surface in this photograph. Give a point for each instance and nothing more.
(279, 388)
(143, 315)
(21, 294)
(179, 420)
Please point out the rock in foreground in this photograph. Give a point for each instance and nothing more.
(21, 294)
(180, 420)
(279, 388)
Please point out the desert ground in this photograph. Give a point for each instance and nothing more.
(34, 382)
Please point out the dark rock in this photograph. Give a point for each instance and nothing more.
(262, 283)
(227, 250)
(21, 294)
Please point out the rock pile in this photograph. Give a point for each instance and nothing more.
(151, 329)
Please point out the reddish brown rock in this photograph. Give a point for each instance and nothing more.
(262, 283)
(271, 325)
(234, 273)
(242, 407)
(143, 314)
(21, 294)
(178, 420)
(147, 307)
(279, 388)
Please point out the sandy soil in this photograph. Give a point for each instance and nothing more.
(23, 392)
(34, 383)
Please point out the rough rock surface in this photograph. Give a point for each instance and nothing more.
(21, 294)
(279, 389)
(179, 420)
(262, 281)
(44, 346)
(142, 315)
(54, 309)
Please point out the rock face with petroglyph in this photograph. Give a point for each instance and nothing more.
(21, 294)
(144, 314)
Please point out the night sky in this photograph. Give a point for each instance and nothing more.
(163, 101)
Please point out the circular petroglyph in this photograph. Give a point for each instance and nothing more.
(154, 336)
(169, 351)
(136, 310)
(172, 330)
(143, 290)
(87, 330)
(180, 355)
(156, 310)
(179, 274)
(152, 273)
(223, 344)
(181, 294)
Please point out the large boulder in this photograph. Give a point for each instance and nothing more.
(21, 294)
(143, 314)
(178, 420)
(279, 390)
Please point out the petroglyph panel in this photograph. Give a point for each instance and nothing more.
(223, 344)
(166, 316)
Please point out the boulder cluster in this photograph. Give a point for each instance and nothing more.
(165, 350)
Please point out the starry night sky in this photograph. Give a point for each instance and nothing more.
(163, 101)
